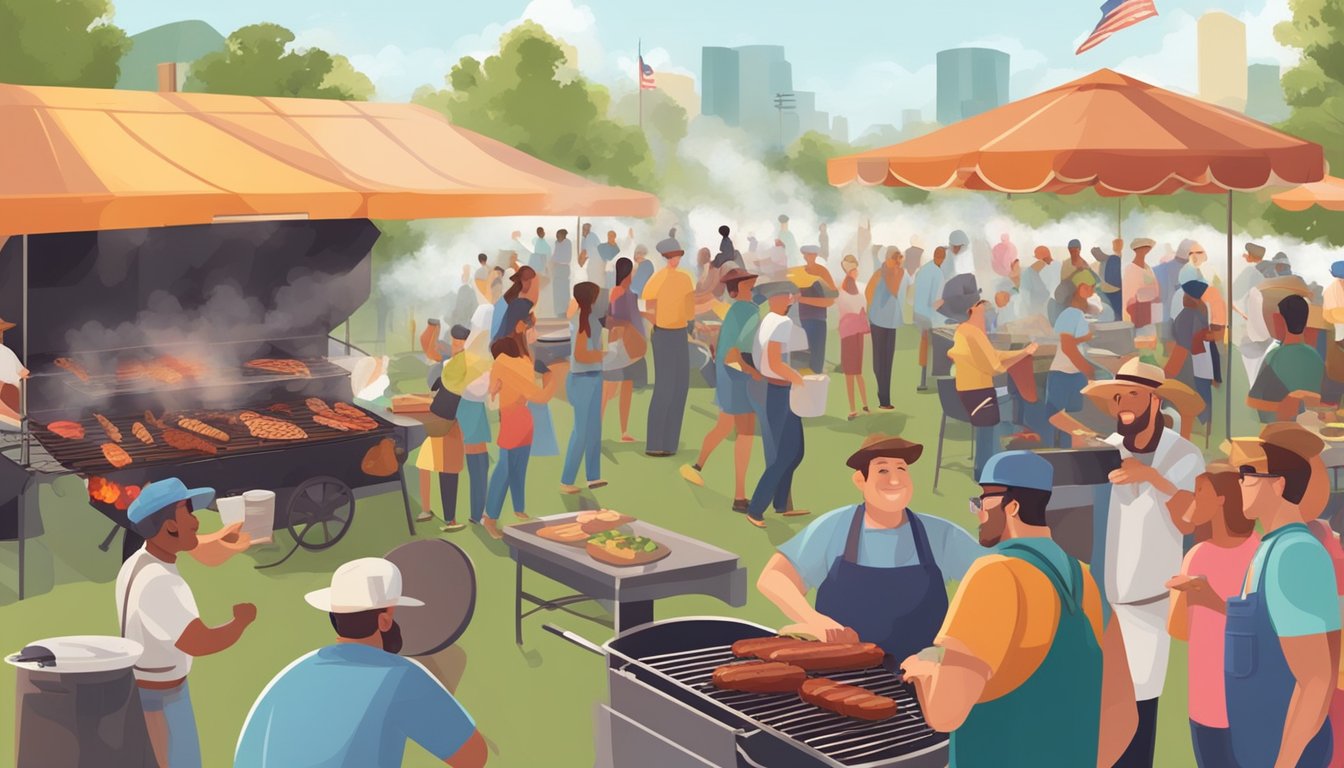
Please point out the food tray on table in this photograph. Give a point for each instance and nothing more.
(621, 549)
(576, 530)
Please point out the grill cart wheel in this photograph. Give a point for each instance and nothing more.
(319, 512)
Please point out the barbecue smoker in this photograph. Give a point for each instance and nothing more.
(159, 324)
(665, 712)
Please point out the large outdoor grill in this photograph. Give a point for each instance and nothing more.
(202, 301)
(664, 710)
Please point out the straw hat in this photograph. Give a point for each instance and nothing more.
(1134, 373)
(1250, 451)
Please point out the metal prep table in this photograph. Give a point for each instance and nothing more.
(693, 568)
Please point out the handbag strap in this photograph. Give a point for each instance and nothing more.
(126, 606)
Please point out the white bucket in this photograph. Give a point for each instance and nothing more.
(809, 400)
(232, 509)
(259, 514)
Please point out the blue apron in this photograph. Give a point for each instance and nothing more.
(1259, 685)
(900, 609)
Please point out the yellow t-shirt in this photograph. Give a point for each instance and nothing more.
(1004, 614)
(977, 361)
(675, 293)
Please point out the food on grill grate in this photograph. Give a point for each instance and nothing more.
(111, 429)
(141, 433)
(154, 421)
(281, 408)
(830, 657)
(287, 367)
(848, 700)
(333, 422)
(201, 428)
(115, 455)
(73, 367)
(131, 370)
(227, 417)
(184, 368)
(761, 647)
(344, 417)
(270, 428)
(186, 441)
(70, 430)
(317, 405)
(760, 677)
(163, 374)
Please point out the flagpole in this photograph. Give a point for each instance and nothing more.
(639, 83)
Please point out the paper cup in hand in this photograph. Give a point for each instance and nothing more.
(232, 510)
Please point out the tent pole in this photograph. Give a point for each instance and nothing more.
(1227, 362)
(23, 383)
(1119, 218)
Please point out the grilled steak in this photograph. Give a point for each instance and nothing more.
(286, 367)
(317, 405)
(154, 421)
(327, 420)
(357, 418)
(113, 433)
(759, 677)
(270, 428)
(761, 647)
(73, 367)
(281, 408)
(201, 428)
(830, 657)
(70, 430)
(848, 700)
(115, 455)
(186, 441)
(141, 433)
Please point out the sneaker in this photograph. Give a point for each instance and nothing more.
(627, 439)
(740, 505)
(424, 517)
(521, 515)
(593, 486)
(755, 522)
(886, 407)
(569, 489)
(691, 474)
(492, 528)
(853, 416)
(452, 527)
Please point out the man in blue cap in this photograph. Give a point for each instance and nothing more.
(1192, 354)
(1022, 649)
(156, 609)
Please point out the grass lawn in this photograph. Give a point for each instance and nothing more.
(535, 702)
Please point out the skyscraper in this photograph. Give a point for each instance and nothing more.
(1222, 60)
(970, 81)
(720, 83)
(1264, 94)
(840, 129)
(763, 72)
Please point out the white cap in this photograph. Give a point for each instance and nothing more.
(366, 584)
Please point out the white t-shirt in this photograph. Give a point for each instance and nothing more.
(774, 328)
(159, 609)
(1073, 322)
(10, 367)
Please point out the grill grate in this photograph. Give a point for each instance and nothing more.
(848, 741)
(86, 455)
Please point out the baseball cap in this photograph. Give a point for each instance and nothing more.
(1019, 469)
(366, 584)
(165, 493)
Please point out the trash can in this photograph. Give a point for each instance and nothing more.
(83, 710)
(809, 400)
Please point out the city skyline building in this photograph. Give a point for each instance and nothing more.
(719, 83)
(1264, 94)
(970, 81)
(1222, 60)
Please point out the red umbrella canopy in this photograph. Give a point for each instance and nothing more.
(1328, 194)
(1116, 134)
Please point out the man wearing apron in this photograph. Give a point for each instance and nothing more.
(879, 570)
(1143, 547)
(1283, 631)
(1022, 650)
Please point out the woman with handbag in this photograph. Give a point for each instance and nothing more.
(853, 309)
(626, 354)
(977, 363)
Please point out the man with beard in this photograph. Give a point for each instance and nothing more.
(1022, 649)
(356, 702)
(1142, 544)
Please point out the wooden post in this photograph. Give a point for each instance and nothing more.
(167, 77)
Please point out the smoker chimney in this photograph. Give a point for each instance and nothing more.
(167, 77)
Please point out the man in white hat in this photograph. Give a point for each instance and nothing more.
(1143, 547)
(356, 702)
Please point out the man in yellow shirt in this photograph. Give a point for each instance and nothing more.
(1022, 673)
(669, 299)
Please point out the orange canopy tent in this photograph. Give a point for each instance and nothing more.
(1328, 194)
(78, 159)
(1106, 131)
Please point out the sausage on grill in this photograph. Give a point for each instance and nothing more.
(186, 441)
(761, 647)
(111, 429)
(201, 428)
(831, 657)
(141, 433)
(848, 700)
(759, 677)
(73, 367)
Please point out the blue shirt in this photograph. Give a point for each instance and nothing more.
(1299, 582)
(815, 548)
(347, 705)
(541, 251)
(886, 310)
(594, 343)
(928, 289)
(643, 271)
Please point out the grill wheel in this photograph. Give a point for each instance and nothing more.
(320, 511)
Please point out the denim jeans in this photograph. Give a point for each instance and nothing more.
(184, 746)
(884, 353)
(671, 384)
(1205, 389)
(757, 391)
(585, 442)
(559, 288)
(1213, 746)
(786, 429)
(989, 441)
(815, 330)
(510, 478)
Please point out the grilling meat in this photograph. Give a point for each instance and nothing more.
(760, 677)
(286, 367)
(111, 429)
(333, 422)
(141, 433)
(184, 368)
(131, 370)
(357, 418)
(186, 441)
(201, 428)
(73, 367)
(830, 657)
(848, 700)
(116, 455)
(317, 405)
(270, 428)
(154, 421)
(344, 417)
(761, 647)
(70, 430)
(281, 408)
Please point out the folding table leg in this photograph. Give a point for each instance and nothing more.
(406, 504)
(518, 606)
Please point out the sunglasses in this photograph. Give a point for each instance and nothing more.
(978, 502)
(1246, 470)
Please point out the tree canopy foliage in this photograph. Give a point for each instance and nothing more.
(60, 42)
(260, 60)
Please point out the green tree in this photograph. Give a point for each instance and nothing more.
(259, 60)
(60, 42)
(1315, 91)
(516, 97)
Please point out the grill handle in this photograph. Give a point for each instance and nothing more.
(578, 640)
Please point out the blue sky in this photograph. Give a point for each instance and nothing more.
(867, 59)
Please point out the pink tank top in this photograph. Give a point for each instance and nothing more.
(1225, 569)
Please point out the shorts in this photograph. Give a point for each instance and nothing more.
(851, 354)
(473, 421)
(1064, 392)
(730, 390)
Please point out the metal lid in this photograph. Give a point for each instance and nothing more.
(84, 653)
(441, 575)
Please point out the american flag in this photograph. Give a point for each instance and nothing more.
(1115, 16)
(645, 76)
